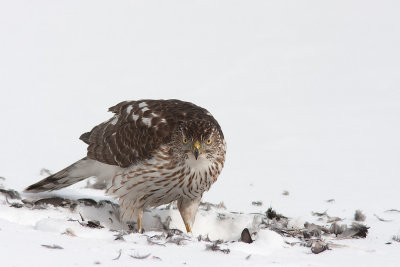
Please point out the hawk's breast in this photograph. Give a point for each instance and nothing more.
(161, 180)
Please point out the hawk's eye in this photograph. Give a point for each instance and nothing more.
(184, 140)
(208, 141)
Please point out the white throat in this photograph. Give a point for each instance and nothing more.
(201, 164)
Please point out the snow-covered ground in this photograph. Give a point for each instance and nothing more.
(307, 94)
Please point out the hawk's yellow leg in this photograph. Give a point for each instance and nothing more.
(188, 209)
(139, 224)
(188, 229)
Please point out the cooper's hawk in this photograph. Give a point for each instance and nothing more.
(151, 152)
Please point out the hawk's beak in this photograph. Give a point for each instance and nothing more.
(196, 149)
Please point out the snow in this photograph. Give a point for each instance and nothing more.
(307, 94)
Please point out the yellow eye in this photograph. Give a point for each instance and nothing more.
(184, 140)
(209, 141)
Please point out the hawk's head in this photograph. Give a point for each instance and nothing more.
(198, 141)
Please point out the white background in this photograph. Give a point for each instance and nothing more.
(307, 92)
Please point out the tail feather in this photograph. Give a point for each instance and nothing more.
(66, 177)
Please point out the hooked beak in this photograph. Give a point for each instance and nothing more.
(196, 149)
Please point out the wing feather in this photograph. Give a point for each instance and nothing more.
(137, 129)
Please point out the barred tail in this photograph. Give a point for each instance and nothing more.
(70, 175)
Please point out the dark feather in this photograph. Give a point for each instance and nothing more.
(138, 128)
(53, 181)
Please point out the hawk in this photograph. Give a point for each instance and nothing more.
(150, 153)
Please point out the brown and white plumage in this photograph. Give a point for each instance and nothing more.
(151, 152)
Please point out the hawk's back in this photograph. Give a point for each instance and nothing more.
(138, 128)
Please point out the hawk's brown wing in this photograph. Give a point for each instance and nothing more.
(137, 129)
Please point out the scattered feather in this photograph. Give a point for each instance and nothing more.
(52, 246)
(215, 246)
(69, 232)
(337, 229)
(205, 238)
(396, 238)
(359, 216)
(140, 257)
(333, 219)
(312, 227)
(87, 202)
(319, 214)
(10, 193)
(312, 233)
(271, 214)
(54, 201)
(94, 224)
(177, 240)
(257, 203)
(163, 225)
(318, 246)
(151, 242)
(120, 236)
(393, 210)
(355, 231)
(207, 205)
(119, 255)
(16, 205)
(381, 219)
(45, 171)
